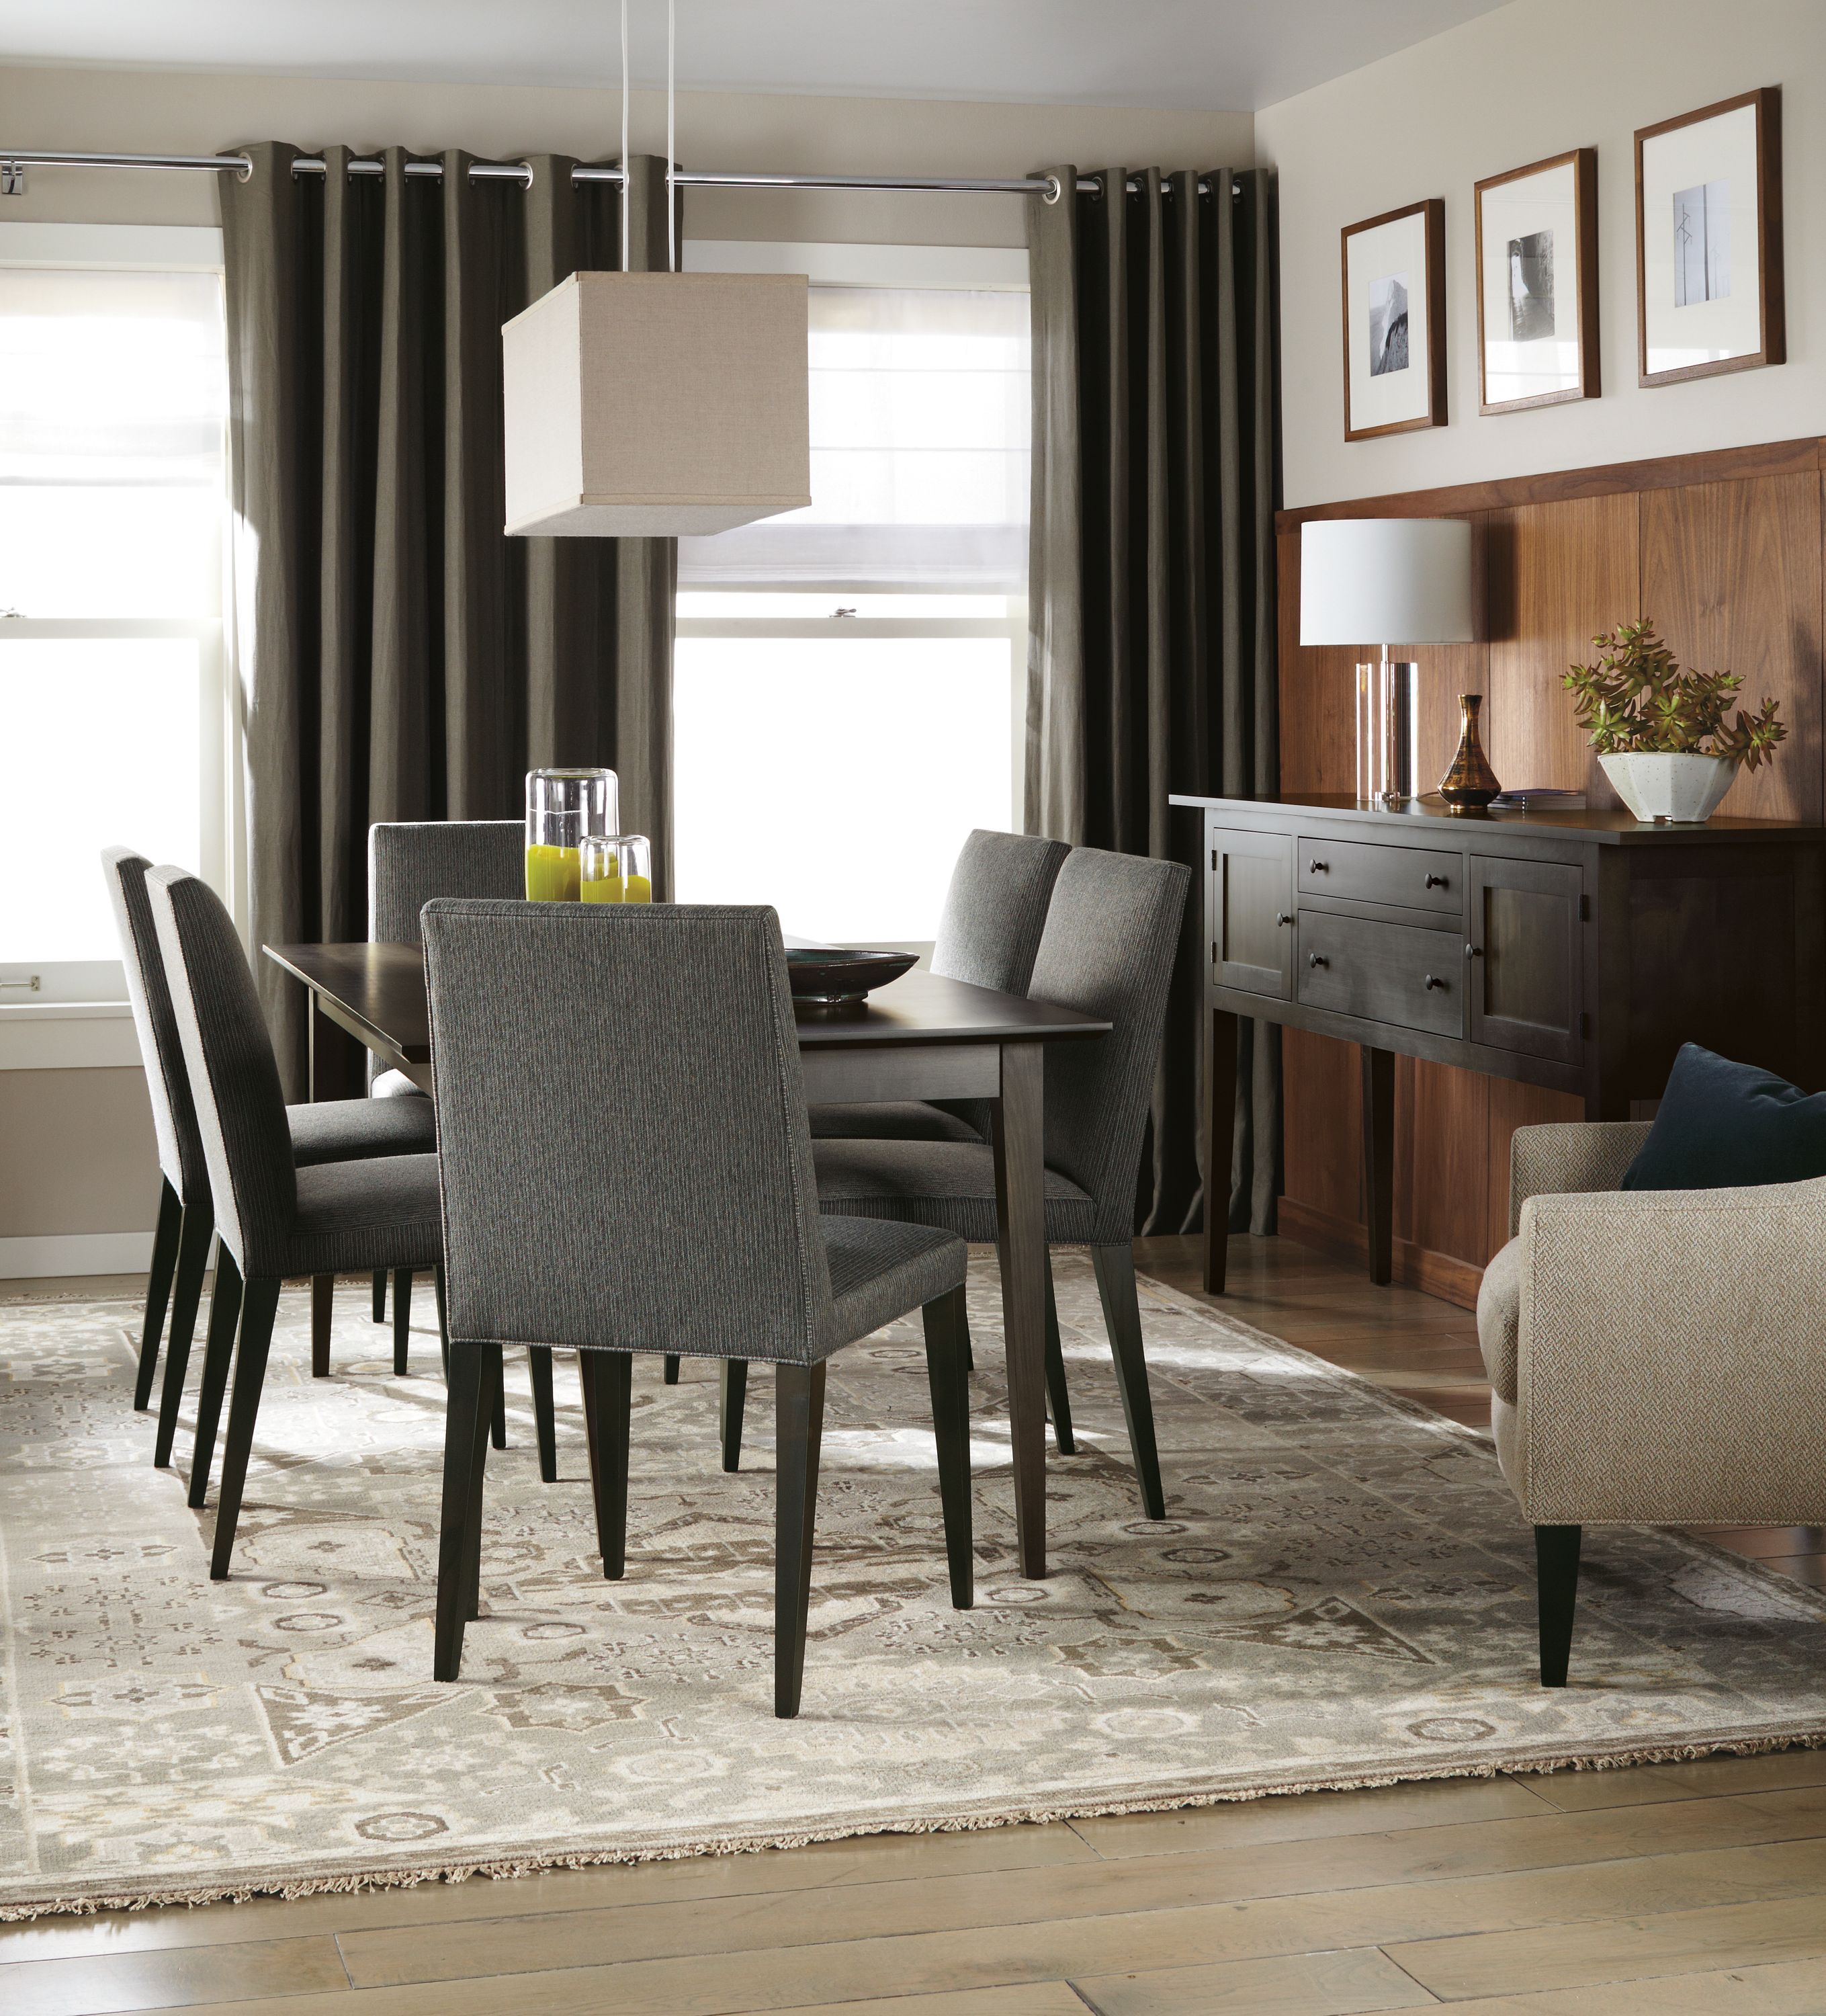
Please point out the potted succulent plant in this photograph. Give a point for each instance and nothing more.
(1661, 734)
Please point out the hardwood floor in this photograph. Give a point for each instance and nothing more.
(1671, 1890)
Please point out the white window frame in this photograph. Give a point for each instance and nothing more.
(976, 267)
(76, 1014)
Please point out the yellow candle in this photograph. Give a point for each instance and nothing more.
(603, 889)
(640, 890)
(551, 874)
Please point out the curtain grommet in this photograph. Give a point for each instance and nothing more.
(526, 171)
(1054, 191)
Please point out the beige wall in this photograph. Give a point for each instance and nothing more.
(1531, 80)
(158, 112)
(79, 1154)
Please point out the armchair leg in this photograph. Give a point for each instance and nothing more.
(608, 1382)
(380, 1295)
(1556, 1565)
(799, 1418)
(193, 1238)
(402, 1319)
(946, 1331)
(218, 1350)
(260, 1300)
(544, 1416)
(465, 1452)
(1122, 1315)
(731, 1400)
(158, 1292)
(1059, 1399)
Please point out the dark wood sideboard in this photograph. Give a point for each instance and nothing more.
(1577, 950)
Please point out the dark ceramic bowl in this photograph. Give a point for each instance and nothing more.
(820, 977)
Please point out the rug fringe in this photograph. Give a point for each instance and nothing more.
(407, 1876)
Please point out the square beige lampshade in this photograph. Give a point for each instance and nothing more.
(648, 405)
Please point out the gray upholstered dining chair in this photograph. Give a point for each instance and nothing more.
(1111, 938)
(273, 1218)
(627, 1080)
(409, 862)
(337, 1130)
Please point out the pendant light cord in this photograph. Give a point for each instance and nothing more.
(671, 200)
(624, 172)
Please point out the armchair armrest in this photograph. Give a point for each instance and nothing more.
(1579, 1155)
(1672, 1357)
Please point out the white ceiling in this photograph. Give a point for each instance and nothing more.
(1218, 55)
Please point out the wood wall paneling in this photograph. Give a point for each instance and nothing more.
(1724, 553)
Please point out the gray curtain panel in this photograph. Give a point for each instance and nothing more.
(401, 658)
(1151, 652)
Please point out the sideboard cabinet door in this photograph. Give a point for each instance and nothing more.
(1251, 921)
(1525, 973)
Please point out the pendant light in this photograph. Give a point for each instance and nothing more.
(650, 404)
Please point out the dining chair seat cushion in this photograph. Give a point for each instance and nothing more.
(356, 1130)
(889, 1120)
(879, 1270)
(949, 1184)
(1499, 1319)
(352, 1217)
(394, 1085)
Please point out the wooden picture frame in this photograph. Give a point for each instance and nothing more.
(1744, 322)
(1558, 197)
(1379, 305)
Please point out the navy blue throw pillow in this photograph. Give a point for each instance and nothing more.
(1723, 1126)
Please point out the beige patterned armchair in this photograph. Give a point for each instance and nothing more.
(1658, 1356)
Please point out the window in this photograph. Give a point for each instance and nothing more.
(847, 677)
(113, 409)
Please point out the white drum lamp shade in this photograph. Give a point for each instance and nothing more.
(1384, 581)
(648, 405)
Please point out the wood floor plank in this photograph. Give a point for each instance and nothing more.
(1311, 1817)
(1039, 1998)
(990, 1948)
(1608, 1950)
(97, 1984)
(1325, 1984)
(1791, 1988)
(889, 1858)
(1585, 1791)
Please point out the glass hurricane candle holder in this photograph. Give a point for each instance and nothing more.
(616, 867)
(564, 807)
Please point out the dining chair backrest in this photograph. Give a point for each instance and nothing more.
(234, 1076)
(1111, 939)
(409, 862)
(995, 909)
(161, 1049)
(621, 1126)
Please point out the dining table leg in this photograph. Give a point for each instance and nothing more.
(1020, 1203)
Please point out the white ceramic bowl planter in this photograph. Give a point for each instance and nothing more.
(1685, 790)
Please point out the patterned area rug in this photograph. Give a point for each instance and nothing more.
(1342, 1594)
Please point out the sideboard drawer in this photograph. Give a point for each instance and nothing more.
(1402, 974)
(1418, 877)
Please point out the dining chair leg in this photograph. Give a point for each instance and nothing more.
(465, 1451)
(1122, 1316)
(1058, 1399)
(158, 1291)
(608, 1383)
(193, 1238)
(380, 1295)
(799, 1418)
(1556, 1566)
(491, 1392)
(731, 1403)
(946, 1328)
(402, 1320)
(497, 1416)
(545, 1419)
(323, 1305)
(671, 1370)
(259, 1302)
(218, 1350)
(443, 1320)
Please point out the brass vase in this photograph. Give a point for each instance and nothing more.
(1471, 783)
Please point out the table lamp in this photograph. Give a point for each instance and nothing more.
(1384, 582)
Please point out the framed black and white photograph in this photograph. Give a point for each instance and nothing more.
(1394, 280)
(1537, 284)
(1708, 273)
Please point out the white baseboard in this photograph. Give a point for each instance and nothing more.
(75, 1253)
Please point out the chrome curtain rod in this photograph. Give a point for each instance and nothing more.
(12, 160)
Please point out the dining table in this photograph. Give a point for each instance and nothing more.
(921, 1037)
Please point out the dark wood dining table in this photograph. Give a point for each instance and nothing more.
(922, 1037)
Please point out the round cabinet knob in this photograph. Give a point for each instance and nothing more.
(1316, 959)
(1285, 917)
(1437, 882)
(1474, 951)
(1433, 981)
(1318, 868)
